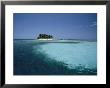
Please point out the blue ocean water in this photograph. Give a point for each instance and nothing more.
(60, 57)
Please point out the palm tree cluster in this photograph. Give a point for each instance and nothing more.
(44, 36)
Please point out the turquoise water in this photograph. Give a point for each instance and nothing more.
(62, 57)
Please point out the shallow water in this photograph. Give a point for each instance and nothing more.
(63, 57)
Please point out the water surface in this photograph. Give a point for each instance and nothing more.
(58, 57)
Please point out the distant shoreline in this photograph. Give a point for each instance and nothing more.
(61, 40)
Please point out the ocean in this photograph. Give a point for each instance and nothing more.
(55, 57)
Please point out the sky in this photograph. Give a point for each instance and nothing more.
(60, 25)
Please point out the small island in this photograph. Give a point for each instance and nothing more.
(45, 37)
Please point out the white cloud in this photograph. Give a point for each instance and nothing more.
(93, 24)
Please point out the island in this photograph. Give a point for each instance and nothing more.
(44, 37)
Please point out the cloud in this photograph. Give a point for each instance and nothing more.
(93, 24)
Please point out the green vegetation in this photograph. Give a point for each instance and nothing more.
(44, 36)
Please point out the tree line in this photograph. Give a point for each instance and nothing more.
(44, 36)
